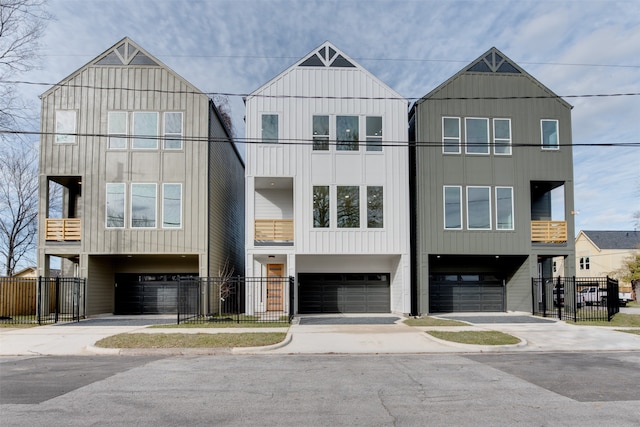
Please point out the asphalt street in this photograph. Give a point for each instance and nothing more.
(585, 389)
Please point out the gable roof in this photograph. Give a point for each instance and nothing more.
(493, 62)
(613, 239)
(327, 55)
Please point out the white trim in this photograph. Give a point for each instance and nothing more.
(466, 136)
(444, 206)
(489, 205)
(124, 206)
(502, 140)
(513, 219)
(155, 219)
(550, 147)
(459, 136)
(164, 184)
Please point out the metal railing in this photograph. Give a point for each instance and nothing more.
(575, 298)
(62, 229)
(235, 299)
(273, 230)
(41, 300)
(549, 231)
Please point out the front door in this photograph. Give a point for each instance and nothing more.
(275, 287)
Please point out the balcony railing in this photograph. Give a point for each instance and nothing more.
(275, 230)
(62, 229)
(549, 231)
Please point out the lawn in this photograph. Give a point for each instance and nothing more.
(223, 325)
(432, 321)
(476, 337)
(254, 339)
(620, 319)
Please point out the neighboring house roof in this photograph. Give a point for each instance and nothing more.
(26, 272)
(612, 239)
(493, 61)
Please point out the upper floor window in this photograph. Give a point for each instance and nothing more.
(145, 130)
(321, 206)
(347, 133)
(375, 207)
(549, 133)
(502, 136)
(321, 133)
(477, 136)
(451, 135)
(115, 205)
(374, 133)
(171, 205)
(452, 207)
(478, 208)
(269, 131)
(348, 206)
(65, 127)
(584, 263)
(504, 208)
(143, 205)
(117, 129)
(173, 131)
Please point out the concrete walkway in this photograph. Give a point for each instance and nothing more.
(548, 336)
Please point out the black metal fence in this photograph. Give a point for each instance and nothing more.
(235, 299)
(41, 300)
(576, 298)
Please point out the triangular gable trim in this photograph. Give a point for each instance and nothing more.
(125, 53)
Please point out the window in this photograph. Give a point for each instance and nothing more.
(117, 129)
(115, 206)
(453, 207)
(478, 208)
(375, 207)
(502, 136)
(477, 136)
(173, 131)
(145, 130)
(348, 206)
(451, 135)
(321, 133)
(504, 208)
(143, 205)
(171, 205)
(347, 133)
(270, 128)
(321, 206)
(584, 263)
(374, 133)
(549, 129)
(65, 127)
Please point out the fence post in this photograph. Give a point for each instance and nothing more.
(575, 298)
(558, 300)
(38, 298)
(57, 297)
(238, 299)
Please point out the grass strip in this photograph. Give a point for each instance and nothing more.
(476, 337)
(222, 325)
(432, 321)
(619, 319)
(630, 331)
(253, 339)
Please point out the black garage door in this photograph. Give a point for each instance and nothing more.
(146, 293)
(465, 292)
(344, 293)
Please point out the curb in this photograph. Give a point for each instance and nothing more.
(248, 350)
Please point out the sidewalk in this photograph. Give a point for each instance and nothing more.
(397, 338)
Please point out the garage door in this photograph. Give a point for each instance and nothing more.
(465, 292)
(344, 293)
(146, 293)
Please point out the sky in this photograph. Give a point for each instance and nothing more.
(575, 48)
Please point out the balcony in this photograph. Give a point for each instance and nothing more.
(549, 231)
(62, 229)
(274, 230)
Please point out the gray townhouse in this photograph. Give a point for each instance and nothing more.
(492, 189)
(146, 179)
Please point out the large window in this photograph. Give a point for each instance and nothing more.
(173, 131)
(348, 206)
(117, 129)
(171, 205)
(145, 130)
(453, 207)
(477, 136)
(269, 128)
(347, 133)
(549, 129)
(115, 205)
(451, 135)
(504, 208)
(143, 205)
(321, 206)
(502, 136)
(375, 207)
(479, 208)
(374, 133)
(321, 133)
(65, 126)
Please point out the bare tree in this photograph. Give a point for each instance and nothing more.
(18, 205)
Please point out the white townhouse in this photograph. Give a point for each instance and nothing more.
(327, 189)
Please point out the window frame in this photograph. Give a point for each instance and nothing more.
(124, 205)
(445, 138)
(172, 136)
(466, 137)
(116, 135)
(504, 142)
(544, 146)
(354, 210)
(373, 143)
(320, 146)
(142, 138)
(264, 140)
(164, 206)
(512, 212)
(345, 145)
(444, 206)
(488, 204)
(155, 205)
(62, 134)
(370, 217)
(327, 198)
